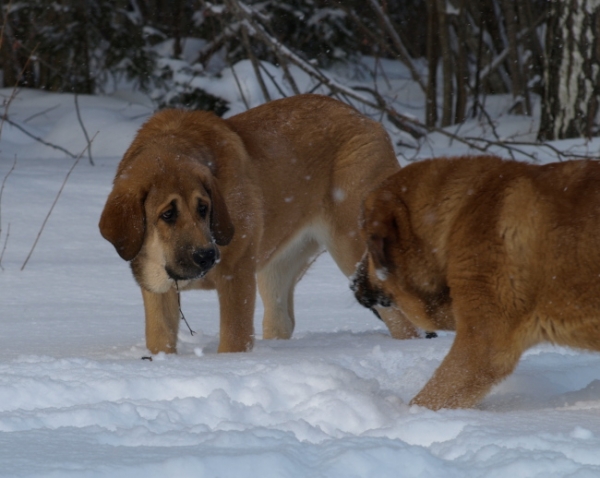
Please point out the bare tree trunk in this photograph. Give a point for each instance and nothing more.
(532, 40)
(8, 60)
(572, 70)
(446, 63)
(432, 64)
(462, 72)
(519, 92)
(476, 89)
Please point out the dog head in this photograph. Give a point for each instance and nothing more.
(373, 276)
(398, 268)
(167, 216)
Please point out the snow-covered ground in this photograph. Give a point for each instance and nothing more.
(77, 400)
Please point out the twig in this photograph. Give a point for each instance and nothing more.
(181, 315)
(483, 145)
(494, 132)
(87, 138)
(5, 243)
(55, 201)
(272, 78)
(255, 21)
(336, 88)
(2, 189)
(416, 129)
(402, 53)
(287, 74)
(45, 143)
(13, 93)
(501, 57)
(239, 85)
(35, 115)
(255, 64)
(514, 146)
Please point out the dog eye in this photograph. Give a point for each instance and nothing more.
(169, 215)
(202, 210)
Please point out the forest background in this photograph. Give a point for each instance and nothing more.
(458, 52)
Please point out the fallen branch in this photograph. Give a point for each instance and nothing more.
(515, 146)
(415, 128)
(254, 21)
(255, 29)
(56, 200)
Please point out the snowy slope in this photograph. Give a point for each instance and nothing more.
(77, 400)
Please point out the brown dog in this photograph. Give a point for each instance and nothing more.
(201, 202)
(505, 253)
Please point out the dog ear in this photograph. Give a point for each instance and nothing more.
(123, 222)
(220, 223)
(388, 228)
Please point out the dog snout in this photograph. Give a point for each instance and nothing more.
(358, 286)
(205, 258)
(366, 294)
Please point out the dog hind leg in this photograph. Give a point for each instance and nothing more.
(276, 284)
(237, 297)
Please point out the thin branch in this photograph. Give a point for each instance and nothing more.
(5, 244)
(218, 41)
(272, 78)
(287, 74)
(494, 132)
(255, 64)
(14, 91)
(181, 314)
(55, 201)
(45, 143)
(483, 145)
(239, 85)
(501, 57)
(514, 146)
(35, 115)
(414, 127)
(337, 88)
(402, 52)
(2, 189)
(87, 138)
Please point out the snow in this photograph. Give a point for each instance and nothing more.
(76, 399)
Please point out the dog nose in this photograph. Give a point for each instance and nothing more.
(205, 258)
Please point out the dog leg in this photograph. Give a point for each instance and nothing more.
(346, 254)
(276, 283)
(162, 321)
(473, 365)
(399, 326)
(237, 296)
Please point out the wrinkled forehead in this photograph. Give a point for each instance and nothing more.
(180, 179)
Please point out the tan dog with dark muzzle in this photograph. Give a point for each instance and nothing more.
(505, 253)
(202, 202)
